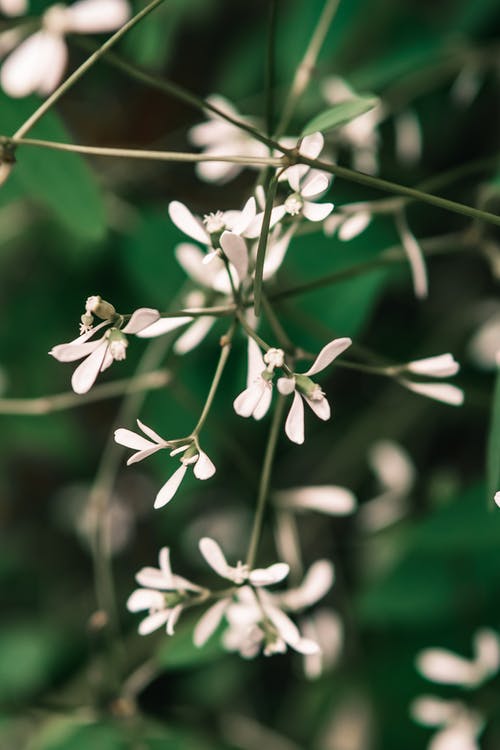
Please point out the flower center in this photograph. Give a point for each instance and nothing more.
(294, 204)
(214, 222)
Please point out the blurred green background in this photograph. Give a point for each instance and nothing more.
(71, 227)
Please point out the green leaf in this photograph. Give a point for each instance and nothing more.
(340, 114)
(30, 656)
(181, 653)
(493, 451)
(62, 182)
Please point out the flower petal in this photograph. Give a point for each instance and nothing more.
(317, 582)
(187, 223)
(268, 576)
(203, 468)
(235, 249)
(209, 622)
(315, 184)
(294, 426)
(354, 225)
(262, 407)
(286, 386)
(170, 488)
(433, 711)
(154, 621)
(442, 366)
(145, 599)
(141, 319)
(447, 668)
(246, 216)
(163, 325)
(194, 334)
(85, 374)
(329, 352)
(330, 499)
(316, 211)
(40, 55)
(132, 440)
(72, 352)
(445, 392)
(174, 615)
(96, 16)
(320, 407)
(312, 145)
(415, 257)
(215, 557)
(52, 67)
(248, 400)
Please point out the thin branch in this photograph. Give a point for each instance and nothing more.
(80, 71)
(47, 404)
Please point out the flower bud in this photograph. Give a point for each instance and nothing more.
(308, 387)
(117, 344)
(274, 358)
(99, 307)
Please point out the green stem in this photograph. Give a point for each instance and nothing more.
(59, 401)
(253, 334)
(271, 66)
(392, 187)
(305, 69)
(277, 328)
(226, 348)
(262, 246)
(131, 153)
(79, 72)
(453, 242)
(265, 480)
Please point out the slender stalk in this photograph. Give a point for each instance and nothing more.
(453, 242)
(265, 480)
(225, 350)
(392, 187)
(277, 328)
(262, 246)
(134, 153)
(80, 71)
(271, 66)
(60, 401)
(306, 67)
(197, 312)
(253, 334)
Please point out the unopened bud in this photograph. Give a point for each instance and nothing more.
(117, 343)
(99, 307)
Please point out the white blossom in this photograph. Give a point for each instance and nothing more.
(189, 451)
(255, 400)
(217, 137)
(347, 225)
(163, 595)
(459, 726)
(99, 353)
(497, 498)
(360, 135)
(13, 7)
(38, 63)
(329, 499)
(395, 474)
(305, 389)
(443, 365)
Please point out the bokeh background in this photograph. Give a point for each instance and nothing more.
(71, 227)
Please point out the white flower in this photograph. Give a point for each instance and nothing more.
(347, 225)
(255, 616)
(217, 137)
(163, 595)
(460, 726)
(395, 473)
(447, 668)
(222, 235)
(190, 451)
(360, 134)
(329, 499)
(13, 7)
(444, 365)
(305, 389)
(38, 63)
(497, 498)
(255, 400)
(98, 354)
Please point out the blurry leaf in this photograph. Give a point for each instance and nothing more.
(417, 590)
(180, 652)
(493, 452)
(30, 657)
(148, 257)
(61, 181)
(340, 114)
